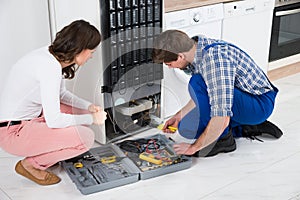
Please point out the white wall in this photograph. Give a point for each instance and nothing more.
(24, 27)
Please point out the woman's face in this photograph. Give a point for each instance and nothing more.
(84, 56)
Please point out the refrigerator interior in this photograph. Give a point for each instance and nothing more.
(131, 81)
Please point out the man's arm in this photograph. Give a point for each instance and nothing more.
(214, 129)
(186, 109)
(178, 116)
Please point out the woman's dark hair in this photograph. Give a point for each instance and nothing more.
(72, 40)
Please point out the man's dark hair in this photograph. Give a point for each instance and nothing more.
(169, 43)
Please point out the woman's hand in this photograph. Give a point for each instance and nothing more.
(99, 115)
(93, 108)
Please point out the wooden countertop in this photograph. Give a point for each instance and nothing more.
(173, 5)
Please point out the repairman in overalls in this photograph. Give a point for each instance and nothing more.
(230, 94)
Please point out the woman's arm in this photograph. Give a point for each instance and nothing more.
(68, 98)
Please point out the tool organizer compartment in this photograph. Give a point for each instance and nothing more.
(154, 156)
(100, 169)
(114, 165)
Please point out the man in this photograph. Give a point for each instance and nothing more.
(230, 95)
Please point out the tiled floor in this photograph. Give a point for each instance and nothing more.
(260, 171)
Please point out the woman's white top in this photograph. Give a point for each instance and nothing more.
(35, 84)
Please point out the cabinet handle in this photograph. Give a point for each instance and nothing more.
(287, 12)
(251, 9)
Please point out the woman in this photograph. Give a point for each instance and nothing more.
(39, 119)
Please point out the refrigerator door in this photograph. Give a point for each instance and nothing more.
(88, 80)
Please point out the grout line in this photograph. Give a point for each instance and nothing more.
(3, 195)
(297, 197)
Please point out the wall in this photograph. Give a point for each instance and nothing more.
(24, 27)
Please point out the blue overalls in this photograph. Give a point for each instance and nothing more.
(247, 108)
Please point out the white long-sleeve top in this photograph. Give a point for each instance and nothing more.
(35, 84)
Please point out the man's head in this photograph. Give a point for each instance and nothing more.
(170, 48)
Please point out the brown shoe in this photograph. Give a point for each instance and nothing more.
(49, 179)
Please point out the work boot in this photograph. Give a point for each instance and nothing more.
(223, 145)
(268, 128)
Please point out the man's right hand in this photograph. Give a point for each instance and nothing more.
(171, 122)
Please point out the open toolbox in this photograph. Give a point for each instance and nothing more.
(126, 162)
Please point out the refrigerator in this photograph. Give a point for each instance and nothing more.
(121, 76)
(87, 81)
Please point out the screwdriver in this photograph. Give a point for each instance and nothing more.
(171, 128)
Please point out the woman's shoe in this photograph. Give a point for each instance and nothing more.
(49, 179)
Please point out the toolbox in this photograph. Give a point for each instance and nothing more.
(114, 165)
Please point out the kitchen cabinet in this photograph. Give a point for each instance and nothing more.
(173, 5)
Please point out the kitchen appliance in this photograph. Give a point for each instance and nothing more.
(131, 81)
(88, 80)
(121, 76)
(285, 39)
(206, 20)
(247, 24)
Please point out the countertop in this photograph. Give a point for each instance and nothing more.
(173, 5)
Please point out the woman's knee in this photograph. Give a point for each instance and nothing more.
(86, 135)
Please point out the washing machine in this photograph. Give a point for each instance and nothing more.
(205, 20)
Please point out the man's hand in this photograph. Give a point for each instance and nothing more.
(184, 149)
(171, 122)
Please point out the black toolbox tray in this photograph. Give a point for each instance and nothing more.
(114, 165)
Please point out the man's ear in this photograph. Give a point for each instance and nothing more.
(181, 56)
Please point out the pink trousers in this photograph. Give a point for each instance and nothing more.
(43, 146)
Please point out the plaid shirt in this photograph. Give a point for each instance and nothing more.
(224, 67)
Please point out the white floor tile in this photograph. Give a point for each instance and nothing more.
(256, 170)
